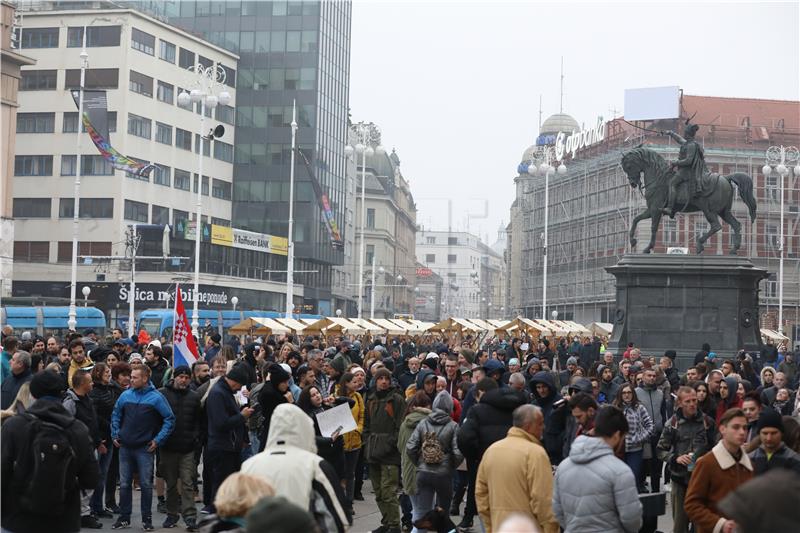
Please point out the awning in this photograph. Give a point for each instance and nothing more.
(601, 328)
(392, 328)
(455, 324)
(273, 325)
(248, 326)
(552, 327)
(498, 324)
(368, 326)
(295, 325)
(337, 324)
(774, 335)
(482, 324)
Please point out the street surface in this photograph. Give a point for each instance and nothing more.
(367, 517)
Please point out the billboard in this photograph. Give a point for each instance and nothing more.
(652, 103)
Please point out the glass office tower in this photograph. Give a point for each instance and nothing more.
(288, 51)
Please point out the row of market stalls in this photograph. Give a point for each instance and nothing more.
(410, 327)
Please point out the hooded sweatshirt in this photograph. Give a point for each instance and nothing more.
(544, 402)
(408, 469)
(291, 465)
(440, 424)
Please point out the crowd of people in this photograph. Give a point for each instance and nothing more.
(526, 437)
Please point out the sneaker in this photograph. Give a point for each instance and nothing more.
(465, 523)
(147, 525)
(170, 522)
(381, 529)
(208, 509)
(104, 513)
(191, 525)
(114, 508)
(91, 522)
(121, 524)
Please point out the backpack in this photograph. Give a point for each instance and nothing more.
(432, 452)
(51, 460)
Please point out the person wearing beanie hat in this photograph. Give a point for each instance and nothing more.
(772, 452)
(62, 514)
(273, 393)
(276, 514)
(466, 357)
(176, 456)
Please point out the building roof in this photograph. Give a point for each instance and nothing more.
(558, 122)
(725, 111)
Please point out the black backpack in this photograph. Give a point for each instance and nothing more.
(51, 461)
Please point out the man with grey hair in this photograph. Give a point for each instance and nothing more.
(315, 362)
(517, 381)
(20, 373)
(503, 488)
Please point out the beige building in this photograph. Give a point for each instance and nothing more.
(12, 60)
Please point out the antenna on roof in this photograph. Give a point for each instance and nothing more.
(540, 113)
(561, 103)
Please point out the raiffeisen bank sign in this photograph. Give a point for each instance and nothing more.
(578, 140)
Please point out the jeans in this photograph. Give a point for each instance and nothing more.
(112, 477)
(175, 467)
(635, 460)
(471, 509)
(255, 443)
(679, 519)
(384, 482)
(223, 464)
(359, 477)
(140, 460)
(350, 462)
(104, 460)
(460, 483)
(429, 486)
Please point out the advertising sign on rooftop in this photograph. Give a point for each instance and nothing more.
(652, 103)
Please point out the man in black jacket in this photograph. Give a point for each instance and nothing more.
(20, 373)
(177, 454)
(158, 365)
(17, 457)
(487, 422)
(226, 427)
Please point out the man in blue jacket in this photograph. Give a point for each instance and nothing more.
(141, 422)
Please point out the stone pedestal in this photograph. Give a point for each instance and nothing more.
(678, 302)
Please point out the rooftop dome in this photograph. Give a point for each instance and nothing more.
(559, 122)
(529, 153)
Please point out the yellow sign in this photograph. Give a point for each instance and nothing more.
(279, 245)
(221, 235)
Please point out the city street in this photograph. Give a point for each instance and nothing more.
(367, 517)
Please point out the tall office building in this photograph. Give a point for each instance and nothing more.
(288, 51)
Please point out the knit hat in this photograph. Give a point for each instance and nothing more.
(468, 354)
(216, 338)
(770, 418)
(136, 357)
(47, 383)
(181, 370)
(513, 361)
(572, 361)
(382, 373)
(238, 374)
(277, 374)
(358, 370)
(276, 514)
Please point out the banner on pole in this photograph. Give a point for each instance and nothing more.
(184, 348)
(325, 205)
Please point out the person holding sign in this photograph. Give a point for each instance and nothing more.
(330, 447)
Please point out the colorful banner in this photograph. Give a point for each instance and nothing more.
(95, 112)
(184, 349)
(325, 206)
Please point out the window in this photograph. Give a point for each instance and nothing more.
(206, 145)
(91, 165)
(96, 36)
(223, 151)
(68, 164)
(144, 42)
(166, 51)
(183, 139)
(179, 216)
(142, 84)
(139, 126)
(430, 258)
(206, 62)
(33, 165)
(205, 185)
(32, 207)
(230, 76)
(36, 122)
(220, 189)
(39, 38)
(771, 287)
(71, 122)
(135, 211)
(32, 251)
(700, 227)
(430, 240)
(773, 239)
(160, 215)
(136, 175)
(370, 253)
(451, 259)
(221, 222)
(96, 78)
(370, 218)
(90, 249)
(182, 179)
(185, 58)
(670, 231)
(163, 133)
(452, 241)
(162, 175)
(38, 80)
(89, 208)
(226, 114)
(165, 92)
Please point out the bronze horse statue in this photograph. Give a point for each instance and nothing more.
(715, 198)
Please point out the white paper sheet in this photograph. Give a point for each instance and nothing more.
(339, 417)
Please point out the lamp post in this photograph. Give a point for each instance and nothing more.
(207, 82)
(779, 156)
(366, 134)
(380, 270)
(290, 255)
(545, 167)
(86, 290)
(234, 301)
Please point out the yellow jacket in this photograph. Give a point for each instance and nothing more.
(74, 367)
(352, 440)
(515, 476)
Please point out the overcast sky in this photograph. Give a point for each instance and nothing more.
(454, 86)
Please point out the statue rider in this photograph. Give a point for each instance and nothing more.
(689, 167)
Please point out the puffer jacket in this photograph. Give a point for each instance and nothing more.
(352, 439)
(440, 424)
(653, 400)
(185, 404)
(593, 491)
(103, 399)
(488, 421)
(408, 469)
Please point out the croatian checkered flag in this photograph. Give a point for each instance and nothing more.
(184, 349)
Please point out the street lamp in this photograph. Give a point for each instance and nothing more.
(543, 164)
(380, 270)
(779, 156)
(366, 134)
(207, 90)
(86, 292)
(234, 301)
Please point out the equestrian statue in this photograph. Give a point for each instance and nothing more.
(686, 186)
